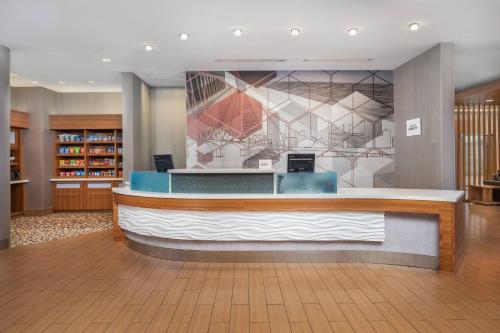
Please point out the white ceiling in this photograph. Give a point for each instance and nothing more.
(54, 40)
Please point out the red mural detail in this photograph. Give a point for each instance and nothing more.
(238, 114)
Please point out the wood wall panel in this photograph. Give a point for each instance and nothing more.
(477, 151)
(19, 119)
(80, 121)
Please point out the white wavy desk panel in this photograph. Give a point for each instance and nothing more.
(253, 226)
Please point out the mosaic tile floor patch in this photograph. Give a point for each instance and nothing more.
(27, 230)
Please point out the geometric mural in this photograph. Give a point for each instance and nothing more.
(345, 118)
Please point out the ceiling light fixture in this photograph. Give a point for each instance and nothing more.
(184, 36)
(91, 82)
(35, 82)
(414, 26)
(238, 32)
(149, 47)
(352, 31)
(106, 60)
(295, 31)
(249, 60)
(339, 60)
(62, 82)
(489, 100)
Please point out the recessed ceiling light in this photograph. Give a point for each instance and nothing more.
(13, 74)
(106, 60)
(149, 47)
(489, 100)
(35, 82)
(295, 31)
(237, 32)
(62, 82)
(184, 36)
(249, 60)
(339, 60)
(414, 26)
(91, 82)
(352, 31)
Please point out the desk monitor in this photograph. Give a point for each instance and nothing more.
(301, 162)
(163, 162)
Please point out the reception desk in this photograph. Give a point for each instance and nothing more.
(421, 228)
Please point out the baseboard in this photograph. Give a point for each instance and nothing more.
(4, 243)
(38, 212)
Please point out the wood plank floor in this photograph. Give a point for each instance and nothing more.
(90, 284)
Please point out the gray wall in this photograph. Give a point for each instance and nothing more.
(423, 88)
(37, 144)
(136, 101)
(168, 120)
(37, 140)
(4, 147)
(89, 103)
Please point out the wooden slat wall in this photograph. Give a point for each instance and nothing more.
(477, 143)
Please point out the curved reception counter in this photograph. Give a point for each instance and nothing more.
(421, 228)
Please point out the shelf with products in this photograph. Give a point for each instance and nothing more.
(100, 137)
(70, 167)
(102, 167)
(70, 137)
(101, 150)
(68, 173)
(70, 150)
(119, 153)
(96, 153)
(101, 162)
(101, 173)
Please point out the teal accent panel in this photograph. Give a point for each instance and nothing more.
(149, 181)
(223, 183)
(307, 183)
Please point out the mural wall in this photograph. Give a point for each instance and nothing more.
(344, 117)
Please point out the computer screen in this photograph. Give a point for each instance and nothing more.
(301, 162)
(163, 162)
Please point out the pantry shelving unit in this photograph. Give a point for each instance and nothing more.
(88, 160)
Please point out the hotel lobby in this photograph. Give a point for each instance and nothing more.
(230, 166)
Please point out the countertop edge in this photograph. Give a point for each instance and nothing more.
(85, 179)
(21, 181)
(447, 197)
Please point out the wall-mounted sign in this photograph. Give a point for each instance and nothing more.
(12, 137)
(265, 164)
(413, 127)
